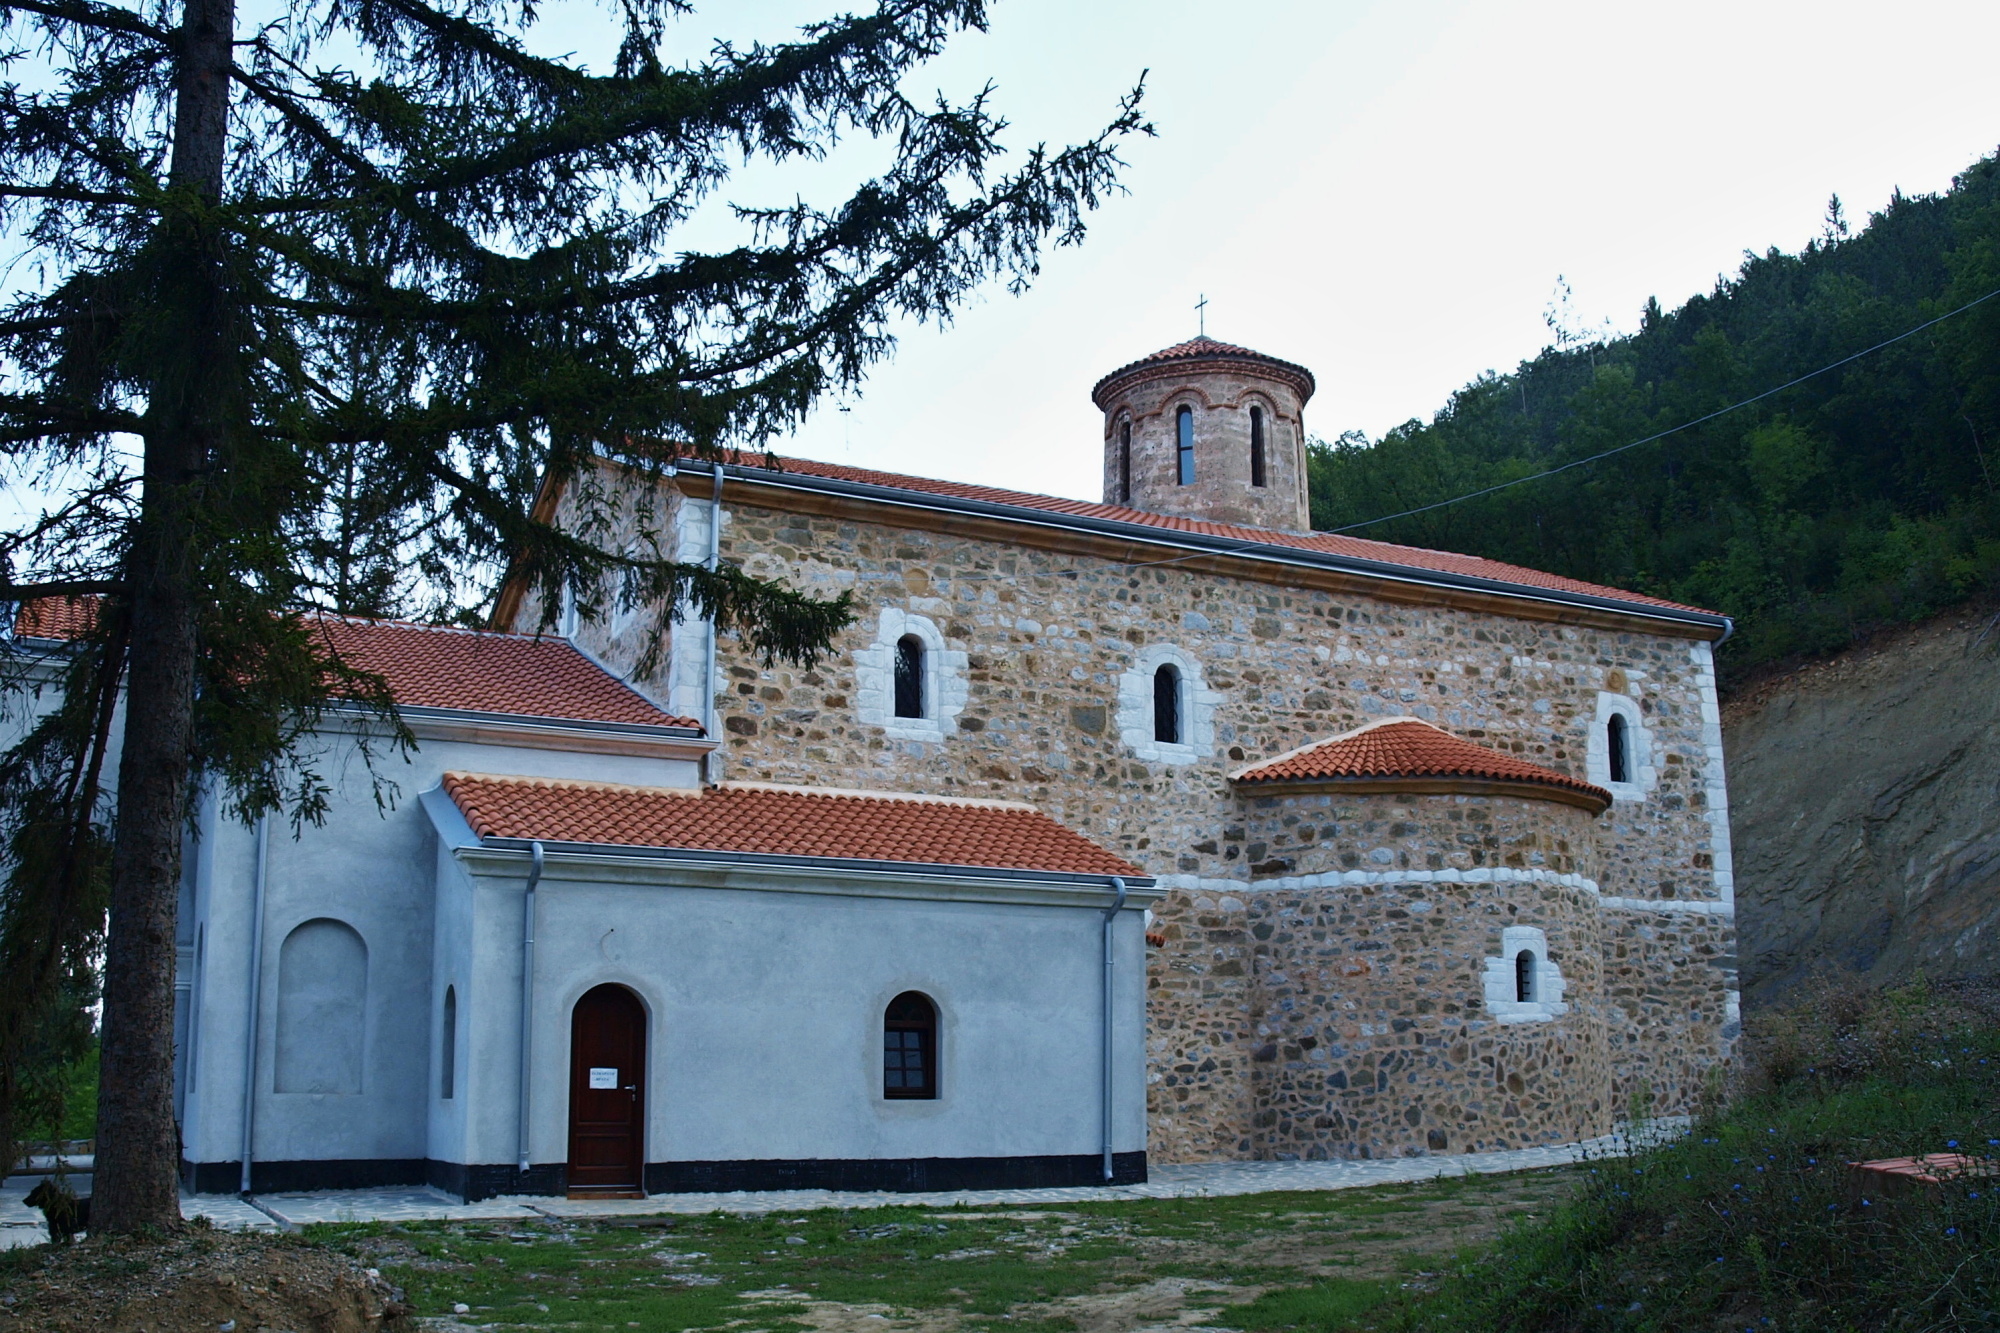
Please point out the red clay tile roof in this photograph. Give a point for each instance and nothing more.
(1205, 348)
(1405, 748)
(429, 666)
(55, 618)
(522, 675)
(1327, 543)
(762, 820)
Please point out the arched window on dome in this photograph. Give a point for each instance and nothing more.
(1256, 446)
(909, 676)
(1524, 977)
(909, 1048)
(1167, 705)
(1617, 749)
(1184, 438)
(1125, 461)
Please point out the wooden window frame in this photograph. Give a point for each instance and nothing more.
(927, 1047)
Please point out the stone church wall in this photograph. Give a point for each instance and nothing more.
(1251, 966)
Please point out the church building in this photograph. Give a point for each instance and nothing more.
(1158, 829)
(1444, 841)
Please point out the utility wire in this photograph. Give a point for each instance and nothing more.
(1673, 430)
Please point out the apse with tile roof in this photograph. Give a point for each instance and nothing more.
(1208, 430)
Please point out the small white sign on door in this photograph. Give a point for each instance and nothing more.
(604, 1078)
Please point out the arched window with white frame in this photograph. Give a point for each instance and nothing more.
(1618, 755)
(1166, 712)
(1522, 982)
(910, 682)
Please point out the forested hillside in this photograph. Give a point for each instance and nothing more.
(1862, 497)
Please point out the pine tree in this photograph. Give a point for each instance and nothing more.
(305, 310)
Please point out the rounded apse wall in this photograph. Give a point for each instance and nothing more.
(1361, 989)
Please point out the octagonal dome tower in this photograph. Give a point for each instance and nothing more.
(1208, 430)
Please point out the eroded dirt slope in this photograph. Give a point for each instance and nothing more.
(1865, 811)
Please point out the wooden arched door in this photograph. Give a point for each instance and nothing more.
(607, 1093)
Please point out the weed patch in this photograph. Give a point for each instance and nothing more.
(1754, 1222)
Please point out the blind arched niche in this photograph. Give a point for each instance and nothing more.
(322, 1008)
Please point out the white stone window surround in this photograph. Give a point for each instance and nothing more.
(875, 679)
(1638, 748)
(1500, 979)
(1135, 707)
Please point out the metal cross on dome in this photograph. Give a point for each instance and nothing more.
(1201, 315)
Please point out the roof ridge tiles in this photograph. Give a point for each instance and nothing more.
(860, 793)
(1340, 545)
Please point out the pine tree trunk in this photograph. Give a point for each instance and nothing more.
(136, 1183)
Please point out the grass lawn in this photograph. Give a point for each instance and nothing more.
(1266, 1261)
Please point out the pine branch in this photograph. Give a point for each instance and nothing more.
(83, 13)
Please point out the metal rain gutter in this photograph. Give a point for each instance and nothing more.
(1110, 1080)
(256, 985)
(1210, 545)
(865, 865)
(528, 995)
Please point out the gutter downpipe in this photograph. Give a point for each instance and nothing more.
(256, 986)
(1110, 915)
(528, 993)
(711, 761)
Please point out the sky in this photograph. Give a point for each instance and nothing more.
(1386, 193)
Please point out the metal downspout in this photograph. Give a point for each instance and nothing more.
(1110, 915)
(256, 987)
(708, 710)
(528, 994)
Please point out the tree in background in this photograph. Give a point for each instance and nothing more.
(309, 304)
(1862, 497)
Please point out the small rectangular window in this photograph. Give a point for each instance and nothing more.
(1256, 446)
(1184, 436)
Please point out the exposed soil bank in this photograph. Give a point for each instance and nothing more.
(1865, 810)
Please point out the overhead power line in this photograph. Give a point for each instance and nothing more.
(1673, 430)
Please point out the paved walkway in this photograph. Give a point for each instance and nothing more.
(20, 1225)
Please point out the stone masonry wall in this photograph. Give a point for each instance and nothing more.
(1046, 636)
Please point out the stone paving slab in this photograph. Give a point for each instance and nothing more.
(231, 1212)
(21, 1225)
(1204, 1179)
(410, 1203)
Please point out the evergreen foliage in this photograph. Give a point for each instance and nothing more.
(307, 303)
(1864, 496)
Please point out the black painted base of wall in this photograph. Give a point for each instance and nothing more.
(474, 1181)
(282, 1177)
(902, 1175)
